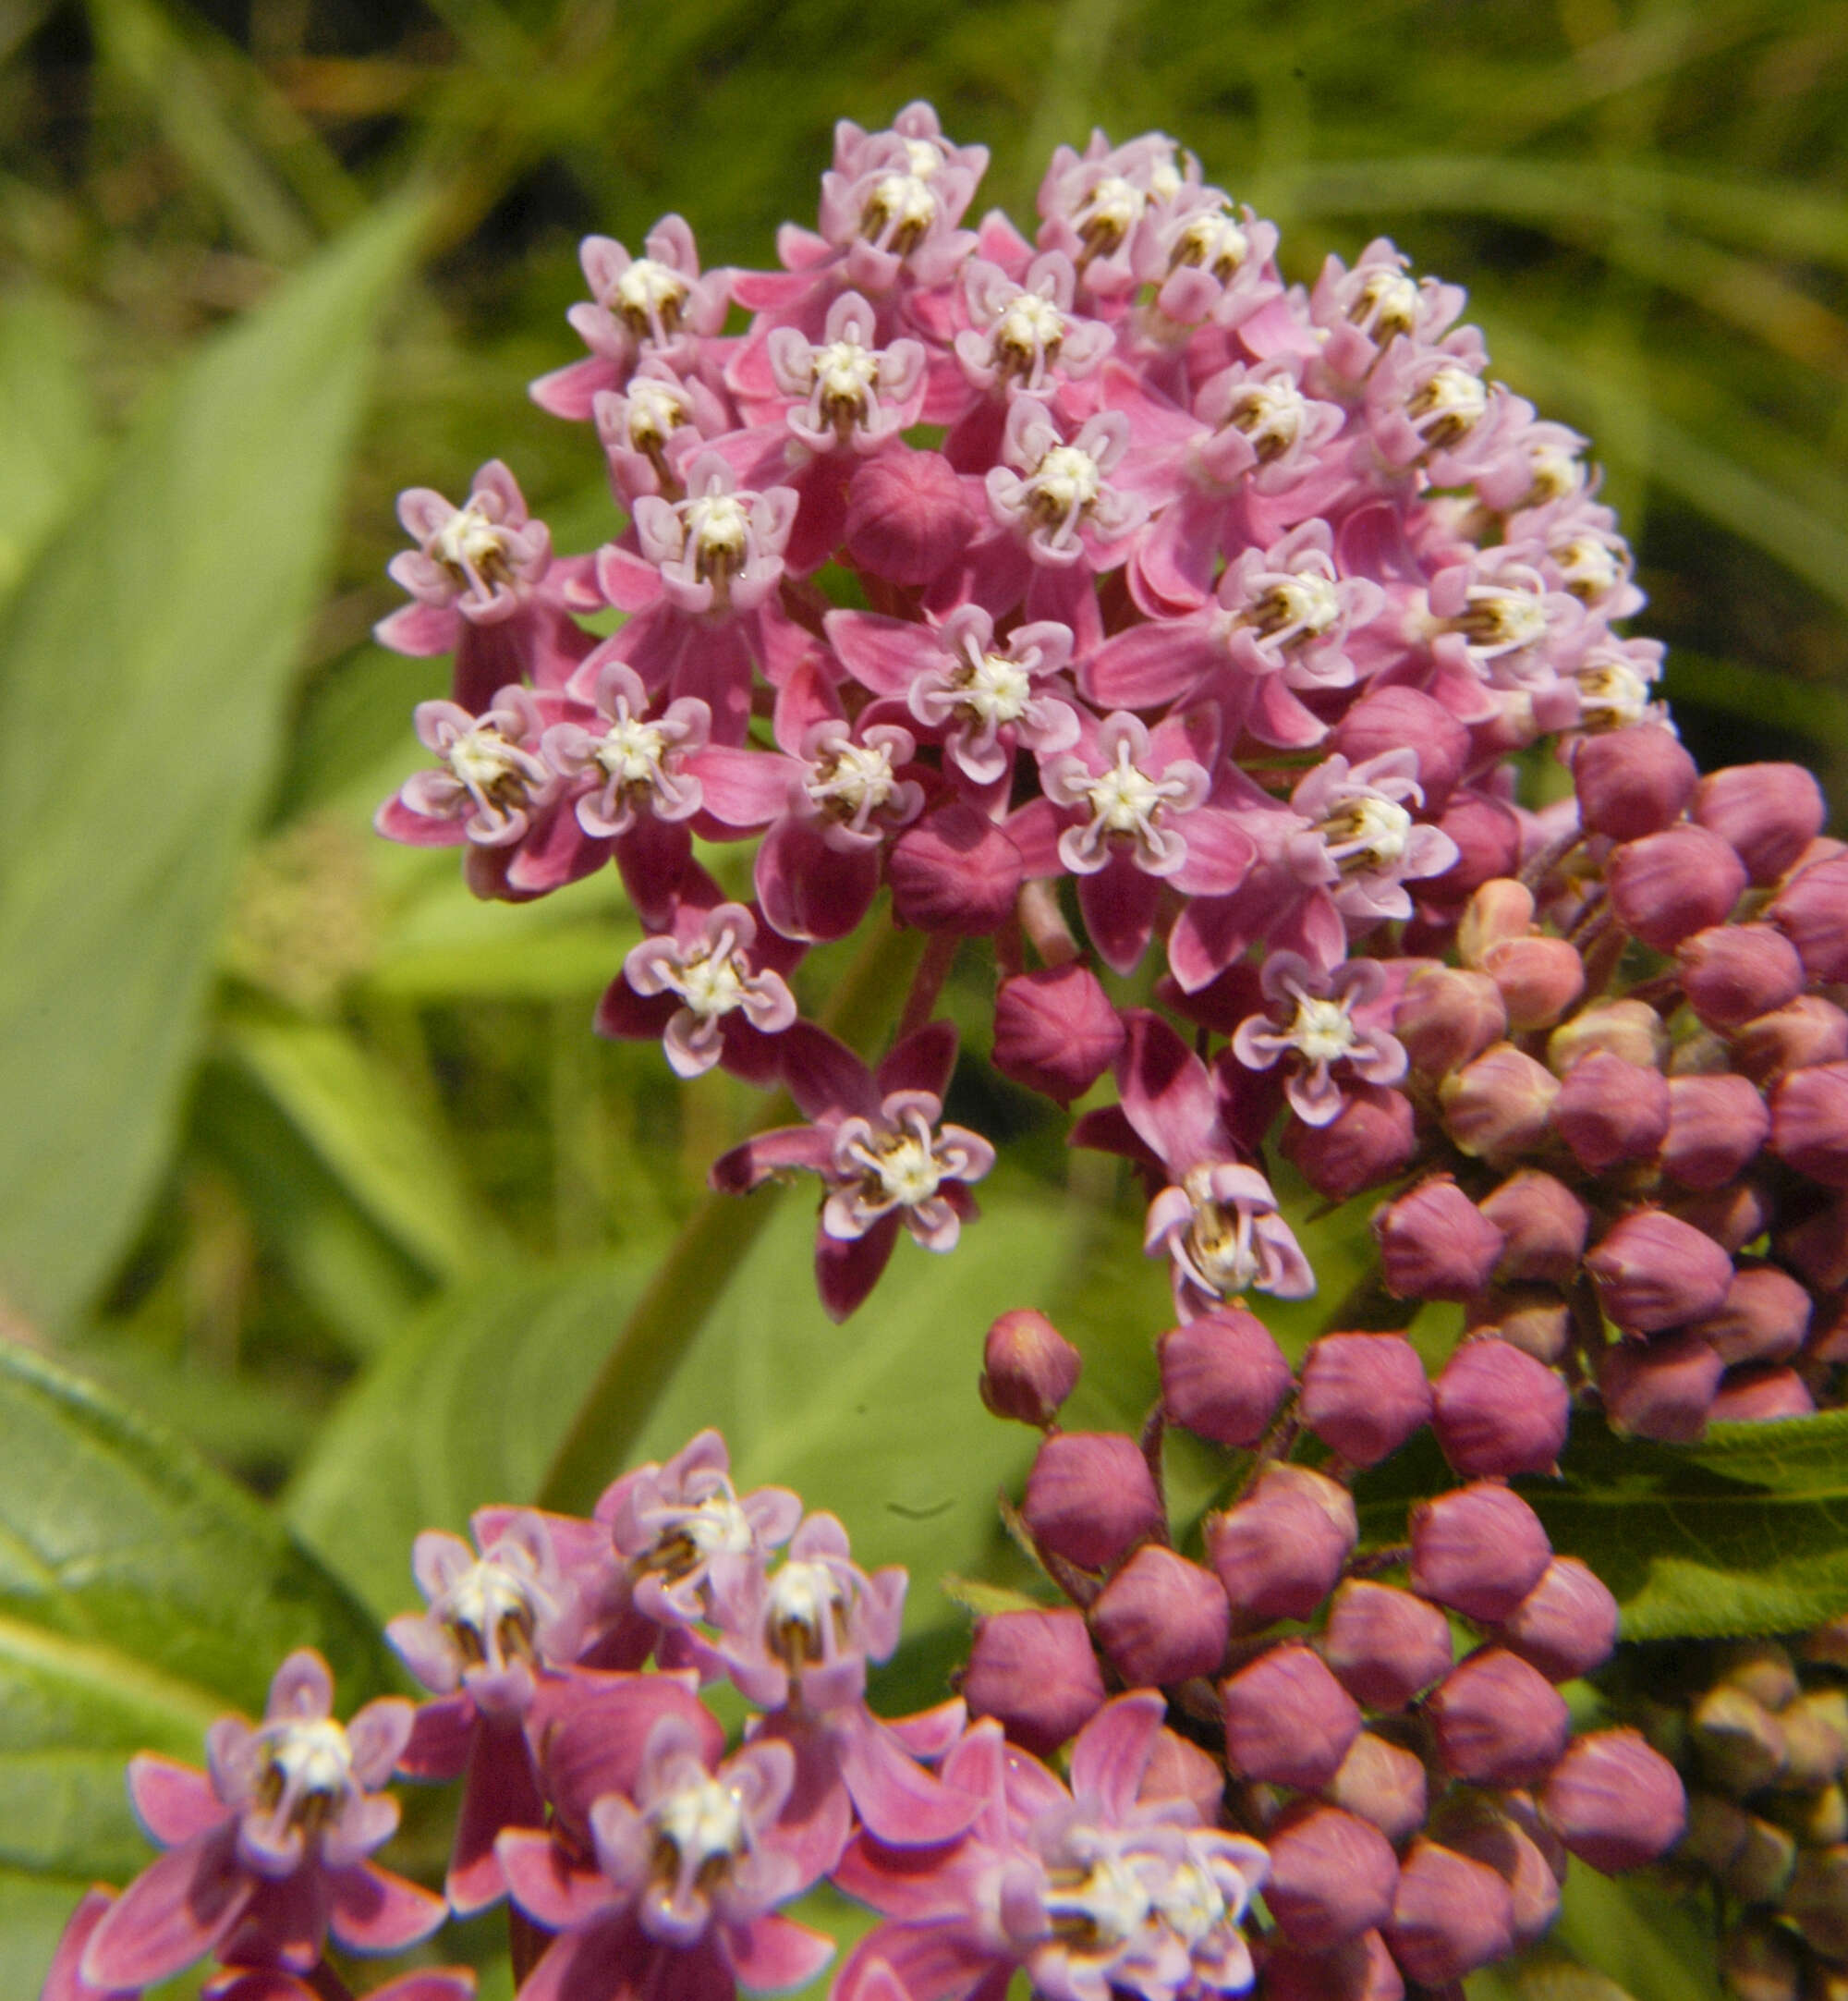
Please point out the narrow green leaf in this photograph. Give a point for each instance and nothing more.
(978, 1599)
(145, 666)
(48, 424)
(1653, 1947)
(141, 1595)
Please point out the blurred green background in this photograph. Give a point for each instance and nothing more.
(312, 1159)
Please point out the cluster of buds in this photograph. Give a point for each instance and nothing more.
(1760, 1731)
(1389, 1804)
(1417, 1809)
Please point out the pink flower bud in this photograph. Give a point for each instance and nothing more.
(1383, 1645)
(1479, 1549)
(1543, 1226)
(1029, 1367)
(1732, 1216)
(907, 515)
(1797, 1036)
(1446, 1016)
(1767, 814)
(1761, 1394)
(1811, 910)
(1435, 1243)
(1037, 1673)
(1629, 1029)
(1816, 1244)
(1532, 1318)
(1393, 717)
(1632, 782)
(1288, 1721)
(1360, 1970)
(1500, 1105)
(1450, 1916)
(1161, 1619)
(1488, 838)
(1363, 1395)
(1384, 1783)
(1223, 1377)
(1654, 1271)
(1765, 1318)
(1662, 1389)
(1566, 1625)
(1090, 1497)
(955, 870)
(1734, 972)
(1331, 1876)
(1178, 1770)
(1716, 1127)
(1499, 1721)
(1501, 909)
(1368, 1141)
(1610, 1111)
(1809, 1123)
(1514, 1844)
(1615, 1803)
(1666, 886)
(1056, 1031)
(1279, 1551)
(1537, 979)
(1500, 1413)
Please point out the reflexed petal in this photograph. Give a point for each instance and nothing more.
(173, 1913)
(1112, 1752)
(173, 1802)
(374, 1911)
(774, 1954)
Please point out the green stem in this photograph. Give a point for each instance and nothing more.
(711, 1245)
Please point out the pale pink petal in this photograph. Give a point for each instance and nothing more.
(899, 1802)
(173, 1802)
(173, 1913)
(375, 1911)
(771, 1954)
(1112, 1752)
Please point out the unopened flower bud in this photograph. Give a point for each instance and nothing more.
(1610, 1111)
(1813, 1746)
(1761, 1961)
(1488, 838)
(1532, 1318)
(1446, 1016)
(1716, 1830)
(1331, 1876)
(1811, 910)
(1732, 1216)
(1739, 1743)
(1279, 1551)
(1090, 1497)
(1288, 1721)
(1499, 909)
(1360, 1970)
(1391, 718)
(1734, 972)
(1566, 1625)
(1500, 1105)
(1763, 1668)
(1661, 1390)
(1761, 1870)
(1666, 886)
(1764, 1393)
(1479, 1549)
(1629, 1029)
(1056, 1031)
(1716, 1127)
(1616, 1802)
(1161, 1619)
(1809, 1123)
(1797, 1036)
(1654, 1271)
(1499, 1721)
(1451, 1915)
(1363, 1395)
(1368, 1141)
(1500, 1413)
(1816, 1244)
(1632, 782)
(1178, 1770)
(1543, 1226)
(1537, 979)
(1384, 1783)
(1222, 1377)
(1035, 1672)
(1475, 1826)
(955, 870)
(907, 515)
(1767, 814)
(1435, 1243)
(1029, 1367)
(1383, 1645)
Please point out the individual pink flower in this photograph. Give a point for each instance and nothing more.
(649, 427)
(1090, 203)
(1024, 334)
(267, 1854)
(1053, 492)
(1362, 842)
(876, 1139)
(1312, 1029)
(720, 984)
(846, 392)
(1363, 309)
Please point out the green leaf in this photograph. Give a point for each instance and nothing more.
(1652, 1946)
(50, 428)
(145, 663)
(141, 1594)
(33, 1914)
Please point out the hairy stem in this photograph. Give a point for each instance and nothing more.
(713, 1243)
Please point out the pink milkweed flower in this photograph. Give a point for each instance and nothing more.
(1361, 841)
(892, 199)
(1207, 262)
(1312, 1027)
(1022, 335)
(679, 1898)
(1090, 203)
(649, 426)
(1217, 1219)
(981, 699)
(877, 1141)
(657, 304)
(627, 764)
(1054, 492)
(710, 971)
(1365, 309)
(1430, 407)
(849, 392)
(268, 1854)
(1495, 617)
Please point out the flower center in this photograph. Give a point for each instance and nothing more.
(702, 1823)
(845, 373)
(718, 526)
(1215, 243)
(924, 158)
(900, 212)
(1592, 569)
(711, 983)
(307, 1769)
(1367, 832)
(1323, 1029)
(1102, 1910)
(1108, 214)
(1294, 610)
(1612, 694)
(1191, 1904)
(802, 1597)
(1065, 482)
(1270, 414)
(1032, 328)
(470, 545)
(1219, 1247)
(631, 751)
(485, 762)
(1556, 474)
(691, 1537)
(852, 781)
(654, 410)
(1386, 302)
(650, 296)
(487, 1612)
(1450, 404)
(1497, 620)
(993, 689)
